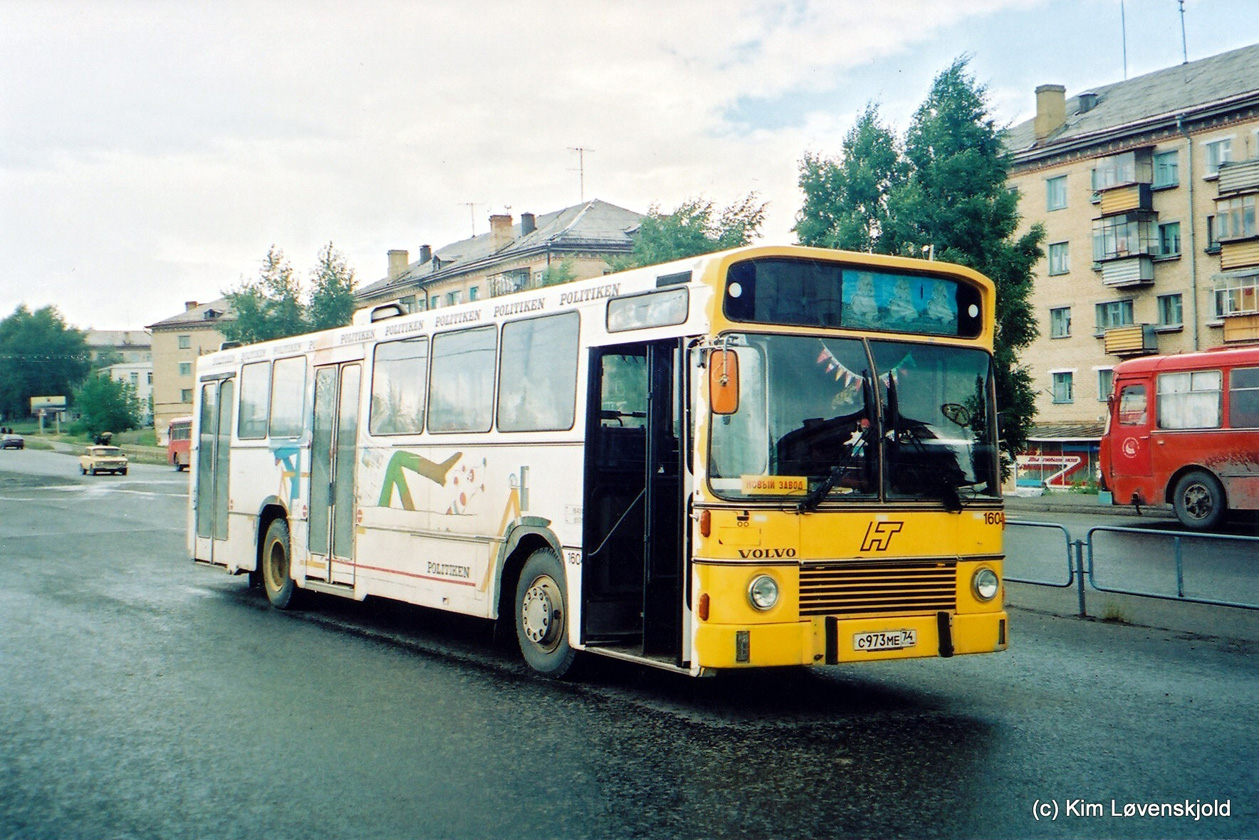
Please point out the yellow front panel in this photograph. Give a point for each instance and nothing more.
(863, 572)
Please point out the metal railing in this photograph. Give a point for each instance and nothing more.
(1179, 566)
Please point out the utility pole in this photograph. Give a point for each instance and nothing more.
(581, 167)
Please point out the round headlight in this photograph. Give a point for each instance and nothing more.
(763, 592)
(985, 584)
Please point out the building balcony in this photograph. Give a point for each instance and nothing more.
(1127, 271)
(1241, 329)
(1238, 176)
(1132, 340)
(1126, 198)
(1239, 253)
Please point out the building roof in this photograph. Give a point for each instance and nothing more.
(137, 339)
(1189, 90)
(195, 315)
(595, 225)
(1042, 432)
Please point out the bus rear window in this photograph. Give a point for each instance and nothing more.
(811, 293)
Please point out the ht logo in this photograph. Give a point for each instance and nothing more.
(879, 535)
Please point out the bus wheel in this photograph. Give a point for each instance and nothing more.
(281, 590)
(1199, 500)
(542, 615)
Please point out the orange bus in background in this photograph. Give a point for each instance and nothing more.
(178, 439)
(1183, 430)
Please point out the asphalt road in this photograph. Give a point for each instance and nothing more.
(143, 696)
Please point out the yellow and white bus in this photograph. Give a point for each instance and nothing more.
(768, 456)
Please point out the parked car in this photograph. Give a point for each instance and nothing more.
(99, 459)
(12, 441)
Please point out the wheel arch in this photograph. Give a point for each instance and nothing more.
(270, 510)
(525, 535)
(1169, 491)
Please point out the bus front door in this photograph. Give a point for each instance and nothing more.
(332, 498)
(632, 568)
(1130, 435)
(214, 450)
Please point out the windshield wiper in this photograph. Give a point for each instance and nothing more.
(856, 448)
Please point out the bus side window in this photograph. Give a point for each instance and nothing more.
(1132, 406)
(1243, 407)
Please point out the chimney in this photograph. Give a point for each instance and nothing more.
(426, 253)
(190, 305)
(1051, 110)
(500, 231)
(528, 224)
(397, 264)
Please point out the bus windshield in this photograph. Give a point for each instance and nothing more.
(854, 419)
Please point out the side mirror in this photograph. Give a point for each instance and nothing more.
(723, 381)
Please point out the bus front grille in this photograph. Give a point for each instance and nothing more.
(866, 588)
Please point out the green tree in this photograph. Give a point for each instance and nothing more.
(558, 273)
(39, 356)
(105, 405)
(944, 194)
(275, 304)
(846, 200)
(332, 291)
(692, 229)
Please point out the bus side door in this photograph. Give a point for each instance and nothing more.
(214, 449)
(332, 490)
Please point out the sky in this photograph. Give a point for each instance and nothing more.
(152, 152)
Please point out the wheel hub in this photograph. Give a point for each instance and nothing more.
(540, 617)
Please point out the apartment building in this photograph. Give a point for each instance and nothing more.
(177, 342)
(510, 257)
(1146, 189)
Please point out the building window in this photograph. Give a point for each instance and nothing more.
(1213, 241)
(1059, 258)
(185, 395)
(1167, 169)
(474, 293)
(1235, 217)
(1114, 313)
(1056, 193)
(185, 368)
(454, 298)
(1217, 152)
(150, 375)
(1063, 386)
(1170, 311)
(1169, 239)
(1105, 383)
(1060, 322)
(185, 342)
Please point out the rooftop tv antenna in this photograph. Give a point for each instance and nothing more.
(472, 206)
(581, 167)
(1184, 45)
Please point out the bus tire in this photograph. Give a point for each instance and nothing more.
(542, 615)
(276, 579)
(1199, 500)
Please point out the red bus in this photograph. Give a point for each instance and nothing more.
(178, 438)
(1183, 430)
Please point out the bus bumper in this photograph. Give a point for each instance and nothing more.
(831, 640)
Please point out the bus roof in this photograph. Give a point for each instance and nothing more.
(1204, 359)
